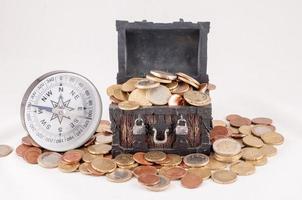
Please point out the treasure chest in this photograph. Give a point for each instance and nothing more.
(171, 47)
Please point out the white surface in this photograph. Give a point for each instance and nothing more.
(254, 58)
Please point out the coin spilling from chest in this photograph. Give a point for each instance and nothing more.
(159, 95)
(119, 175)
(196, 160)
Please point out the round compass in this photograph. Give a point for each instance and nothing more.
(61, 110)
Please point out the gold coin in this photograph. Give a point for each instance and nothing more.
(83, 168)
(163, 74)
(159, 95)
(174, 160)
(180, 74)
(181, 88)
(155, 156)
(103, 139)
(110, 89)
(49, 159)
(68, 168)
(114, 100)
(196, 160)
(172, 85)
(124, 159)
(219, 123)
(259, 130)
(189, 82)
(203, 87)
(128, 105)
(243, 168)
(88, 157)
(99, 149)
(250, 153)
(132, 166)
(196, 98)
(119, 175)
(163, 184)
(215, 164)
(252, 141)
(139, 96)
(227, 159)
(226, 147)
(268, 150)
(224, 176)
(120, 95)
(203, 172)
(146, 84)
(129, 86)
(272, 138)
(156, 79)
(245, 130)
(260, 162)
(5, 150)
(103, 165)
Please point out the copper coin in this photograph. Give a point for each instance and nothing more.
(181, 88)
(138, 171)
(262, 121)
(72, 156)
(219, 132)
(139, 157)
(237, 122)
(232, 117)
(21, 149)
(191, 181)
(148, 179)
(175, 173)
(32, 154)
(176, 100)
(90, 141)
(211, 86)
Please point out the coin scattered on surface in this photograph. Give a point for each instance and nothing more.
(163, 184)
(21, 149)
(250, 153)
(83, 168)
(224, 176)
(252, 141)
(272, 138)
(191, 181)
(72, 156)
(268, 150)
(99, 149)
(68, 168)
(227, 147)
(31, 155)
(119, 175)
(124, 159)
(5, 150)
(148, 179)
(262, 120)
(243, 168)
(103, 139)
(128, 105)
(175, 173)
(203, 172)
(103, 165)
(155, 156)
(259, 130)
(138, 171)
(196, 160)
(240, 121)
(49, 159)
(139, 157)
(232, 117)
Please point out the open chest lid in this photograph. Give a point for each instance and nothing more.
(172, 47)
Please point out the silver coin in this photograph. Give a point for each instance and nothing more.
(49, 159)
(5, 150)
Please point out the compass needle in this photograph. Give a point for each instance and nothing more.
(62, 125)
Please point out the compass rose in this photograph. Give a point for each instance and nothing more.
(59, 109)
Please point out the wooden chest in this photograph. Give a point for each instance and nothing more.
(173, 47)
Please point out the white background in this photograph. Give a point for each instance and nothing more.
(254, 58)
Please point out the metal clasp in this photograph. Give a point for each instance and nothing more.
(139, 127)
(156, 141)
(181, 128)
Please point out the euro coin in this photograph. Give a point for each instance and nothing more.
(103, 139)
(139, 157)
(49, 159)
(196, 160)
(180, 74)
(68, 168)
(240, 121)
(99, 149)
(250, 153)
(243, 168)
(155, 156)
(139, 96)
(103, 165)
(159, 95)
(148, 179)
(88, 157)
(5, 150)
(156, 79)
(129, 86)
(232, 117)
(119, 175)
(94, 172)
(120, 95)
(259, 130)
(228, 159)
(181, 88)
(140, 170)
(163, 74)
(215, 164)
(190, 82)
(262, 120)
(146, 84)
(224, 176)
(219, 123)
(128, 105)
(259, 162)
(174, 160)
(245, 130)
(83, 168)
(226, 147)
(196, 98)
(252, 141)
(272, 138)
(268, 150)
(203, 172)
(124, 159)
(163, 184)
(191, 181)
(172, 85)
(31, 155)
(21, 149)
(110, 89)
(176, 100)
(72, 156)
(175, 173)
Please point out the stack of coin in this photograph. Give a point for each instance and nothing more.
(239, 146)
(160, 88)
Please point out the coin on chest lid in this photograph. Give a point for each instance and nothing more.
(61, 110)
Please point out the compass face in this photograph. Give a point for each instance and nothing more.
(61, 110)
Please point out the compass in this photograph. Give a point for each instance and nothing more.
(61, 110)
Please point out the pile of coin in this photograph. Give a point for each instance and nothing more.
(239, 146)
(160, 88)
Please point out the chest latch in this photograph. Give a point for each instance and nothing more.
(139, 135)
(181, 133)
